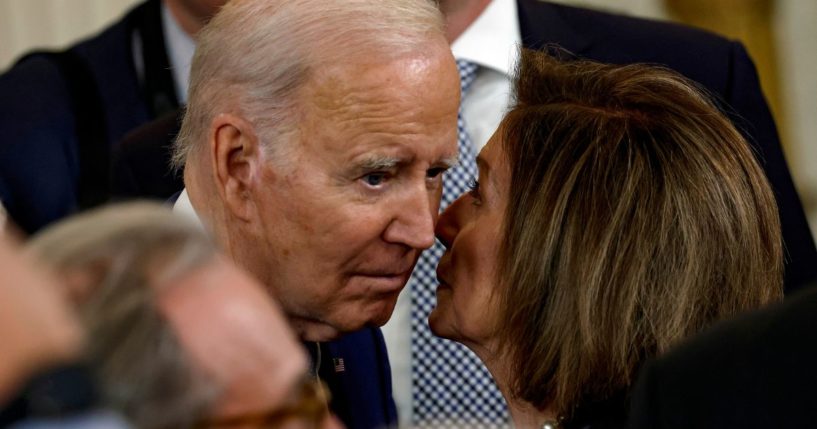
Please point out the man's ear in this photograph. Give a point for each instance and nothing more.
(234, 154)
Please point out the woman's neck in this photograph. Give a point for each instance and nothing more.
(523, 414)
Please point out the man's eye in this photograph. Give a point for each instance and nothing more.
(434, 173)
(374, 179)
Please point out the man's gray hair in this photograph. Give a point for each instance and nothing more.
(254, 55)
(123, 254)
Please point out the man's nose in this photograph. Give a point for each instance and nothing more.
(413, 221)
(448, 224)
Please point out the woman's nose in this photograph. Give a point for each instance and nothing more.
(448, 223)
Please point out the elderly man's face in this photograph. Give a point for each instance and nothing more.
(344, 221)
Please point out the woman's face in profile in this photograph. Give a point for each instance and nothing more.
(471, 230)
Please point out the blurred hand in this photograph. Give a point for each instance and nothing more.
(37, 327)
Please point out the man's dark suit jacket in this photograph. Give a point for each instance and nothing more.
(356, 369)
(759, 371)
(39, 159)
(721, 66)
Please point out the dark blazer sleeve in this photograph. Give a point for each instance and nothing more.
(38, 157)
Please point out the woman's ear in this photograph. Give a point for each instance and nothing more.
(236, 161)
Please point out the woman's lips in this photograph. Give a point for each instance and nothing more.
(441, 275)
(441, 283)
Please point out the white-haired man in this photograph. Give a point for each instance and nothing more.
(314, 143)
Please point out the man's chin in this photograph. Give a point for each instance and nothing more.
(376, 315)
(381, 319)
(380, 311)
(374, 318)
(315, 331)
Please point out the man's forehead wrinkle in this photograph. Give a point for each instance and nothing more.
(346, 102)
(362, 82)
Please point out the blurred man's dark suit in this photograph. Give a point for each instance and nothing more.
(721, 66)
(758, 371)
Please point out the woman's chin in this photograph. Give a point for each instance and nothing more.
(438, 323)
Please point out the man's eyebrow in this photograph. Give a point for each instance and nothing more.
(379, 163)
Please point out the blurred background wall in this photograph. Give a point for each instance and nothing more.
(781, 36)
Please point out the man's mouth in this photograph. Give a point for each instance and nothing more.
(387, 281)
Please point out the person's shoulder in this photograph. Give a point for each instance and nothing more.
(113, 40)
(702, 56)
(618, 25)
(773, 329)
(35, 111)
(36, 76)
(617, 38)
(741, 373)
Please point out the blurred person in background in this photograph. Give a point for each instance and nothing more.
(178, 337)
(616, 213)
(754, 372)
(43, 383)
(62, 113)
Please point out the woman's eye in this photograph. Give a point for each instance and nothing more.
(473, 187)
(374, 179)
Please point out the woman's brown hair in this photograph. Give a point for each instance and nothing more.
(637, 216)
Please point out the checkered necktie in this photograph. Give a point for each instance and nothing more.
(450, 386)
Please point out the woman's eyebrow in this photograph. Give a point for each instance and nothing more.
(484, 169)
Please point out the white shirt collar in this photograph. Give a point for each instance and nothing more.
(180, 48)
(184, 207)
(492, 40)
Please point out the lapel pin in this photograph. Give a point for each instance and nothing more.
(340, 366)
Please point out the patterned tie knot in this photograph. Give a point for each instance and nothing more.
(468, 72)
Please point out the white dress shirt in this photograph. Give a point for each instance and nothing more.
(492, 41)
(184, 207)
(180, 48)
